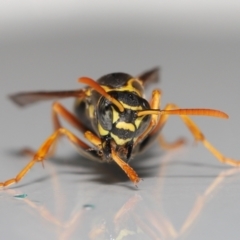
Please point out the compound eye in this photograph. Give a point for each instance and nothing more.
(105, 115)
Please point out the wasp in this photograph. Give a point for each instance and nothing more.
(115, 119)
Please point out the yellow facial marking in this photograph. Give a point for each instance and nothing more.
(88, 92)
(138, 121)
(134, 108)
(119, 141)
(102, 131)
(91, 111)
(125, 126)
(115, 115)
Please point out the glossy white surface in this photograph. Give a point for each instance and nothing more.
(186, 193)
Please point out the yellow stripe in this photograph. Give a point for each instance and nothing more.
(131, 107)
(115, 115)
(129, 87)
(119, 141)
(125, 126)
(91, 111)
(138, 121)
(102, 131)
(88, 91)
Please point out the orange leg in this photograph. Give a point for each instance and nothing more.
(43, 151)
(123, 165)
(157, 123)
(154, 104)
(58, 109)
(162, 120)
(197, 134)
(166, 145)
(126, 168)
(170, 145)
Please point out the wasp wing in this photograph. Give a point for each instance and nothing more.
(25, 98)
(149, 76)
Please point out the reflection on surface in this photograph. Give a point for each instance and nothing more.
(93, 211)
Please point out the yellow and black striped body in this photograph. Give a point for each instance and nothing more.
(116, 129)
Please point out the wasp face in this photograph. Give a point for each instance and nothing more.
(121, 129)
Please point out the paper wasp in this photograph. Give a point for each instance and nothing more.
(115, 119)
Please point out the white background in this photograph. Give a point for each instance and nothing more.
(186, 193)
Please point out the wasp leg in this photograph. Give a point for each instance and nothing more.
(59, 109)
(157, 124)
(43, 151)
(162, 120)
(198, 135)
(154, 104)
(170, 145)
(155, 133)
(95, 140)
(126, 168)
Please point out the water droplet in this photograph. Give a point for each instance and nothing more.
(21, 196)
(88, 206)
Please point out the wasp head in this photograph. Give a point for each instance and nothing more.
(117, 100)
